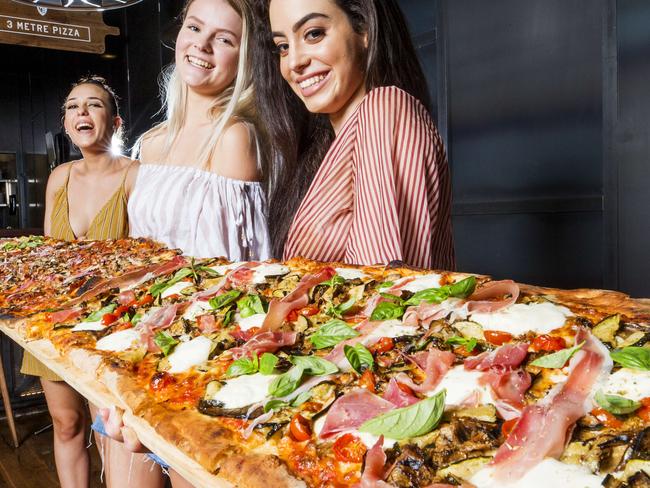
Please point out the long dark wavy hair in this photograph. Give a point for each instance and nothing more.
(298, 140)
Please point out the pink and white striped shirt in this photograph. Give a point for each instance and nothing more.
(383, 190)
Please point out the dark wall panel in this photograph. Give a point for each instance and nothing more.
(525, 125)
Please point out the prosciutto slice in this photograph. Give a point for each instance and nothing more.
(374, 470)
(126, 297)
(425, 313)
(543, 428)
(489, 298)
(158, 320)
(353, 409)
(64, 315)
(508, 385)
(508, 355)
(265, 341)
(337, 355)
(297, 299)
(398, 397)
(435, 364)
(206, 323)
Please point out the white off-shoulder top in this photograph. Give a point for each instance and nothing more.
(202, 213)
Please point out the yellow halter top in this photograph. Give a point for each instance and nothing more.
(109, 223)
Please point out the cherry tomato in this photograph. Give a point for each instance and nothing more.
(367, 381)
(162, 380)
(300, 428)
(349, 449)
(109, 318)
(606, 418)
(507, 426)
(462, 351)
(405, 388)
(384, 344)
(121, 310)
(497, 337)
(644, 411)
(307, 311)
(547, 343)
(123, 326)
(145, 300)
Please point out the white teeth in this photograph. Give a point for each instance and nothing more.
(312, 81)
(84, 126)
(199, 62)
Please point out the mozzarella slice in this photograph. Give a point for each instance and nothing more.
(256, 320)
(223, 269)
(461, 384)
(271, 269)
(188, 354)
(119, 341)
(368, 439)
(520, 318)
(629, 383)
(390, 328)
(547, 473)
(423, 282)
(89, 326)
(175, 289)
(350, 273)
(195, 309)
(244, 390)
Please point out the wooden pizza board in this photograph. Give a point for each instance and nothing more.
(98, 394)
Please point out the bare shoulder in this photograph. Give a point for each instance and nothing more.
(132, 166)
(152, 145)
(58, 176)
(236, 155)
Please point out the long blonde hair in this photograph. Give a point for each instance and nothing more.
(234, 103)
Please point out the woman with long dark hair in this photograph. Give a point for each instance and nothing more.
(359, 173)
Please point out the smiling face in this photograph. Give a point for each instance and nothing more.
(321, 56)
(207, 46)
(88, 118)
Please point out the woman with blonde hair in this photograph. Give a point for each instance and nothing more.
(197, 188)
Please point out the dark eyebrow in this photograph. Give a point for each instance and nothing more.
(89, 98)
(303, 21)
(196, 19)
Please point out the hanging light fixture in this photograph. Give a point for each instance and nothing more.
(80, 5)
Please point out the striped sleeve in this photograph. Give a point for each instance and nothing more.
(402, 194)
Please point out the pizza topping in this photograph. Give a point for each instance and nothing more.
(463, 387)
(359, 357)
(633, 357)
(353, 409)
(399, 394)
(520, 318)
(367, 381)
(508, 385)
(506, 356)
(119, 341)
(206, 323)
(348, 448)
(406, 422)
(300, 428)
(332, 333)
(297, 299)
(384, 344)
(543, 427)
(493, 296)
(547, 343)
(264, 341)
(616, 404)
(189, 354)
(350, 273)
(261, 272)
(374, 472)
(63, 316)
(557, 359)
(126, 298)
(628, 383)
(435, 364)
(243, 391)
(175, 289)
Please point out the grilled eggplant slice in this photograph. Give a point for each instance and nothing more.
(215, 408)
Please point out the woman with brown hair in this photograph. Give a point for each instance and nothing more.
(85, 199)
(359, 172)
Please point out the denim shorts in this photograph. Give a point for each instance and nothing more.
(98, 426)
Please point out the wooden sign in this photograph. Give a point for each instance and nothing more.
(53, 29)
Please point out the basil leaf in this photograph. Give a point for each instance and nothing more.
(463, 288)
(208, 270)
(286, 383)
(633, 357)
(413, 421)
(359, 357)
(243, 366)
(274, 405)
(469, 344)
(300, 399)
(331, 333)
(616, 404)
(225, 299)
(336, 280)
(557, 359)
(227, 317)
(315, 366)
(355, 294)
(250, 305)
(430, 295)
(165, 342)
(268, 362)
(96, 316)
(158, 288)
(386, 284)
(136, 318)
(387, 311)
